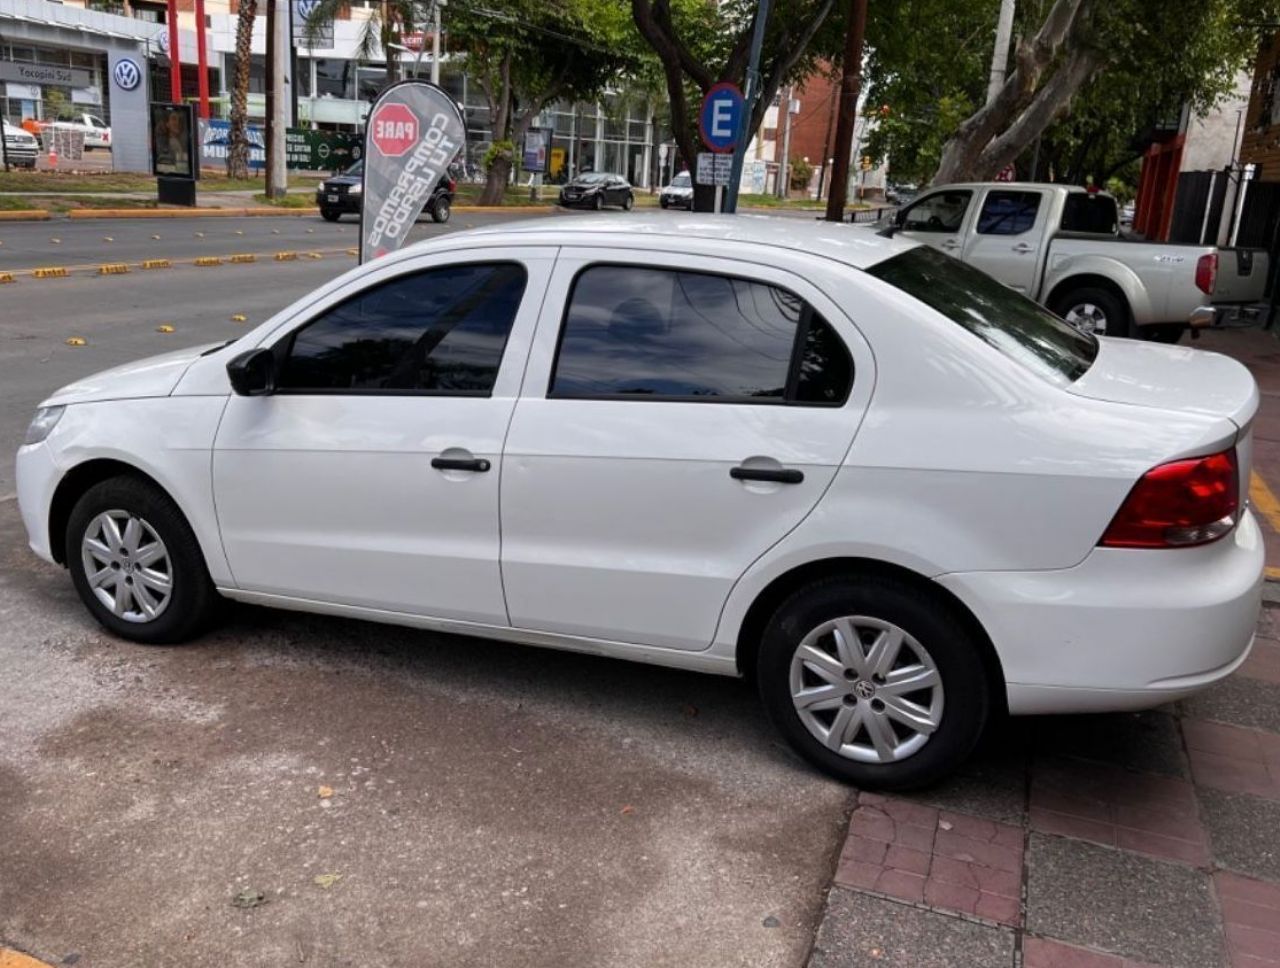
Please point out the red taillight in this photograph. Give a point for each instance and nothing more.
(1187, 502)
(453, 185)
(1207, 273)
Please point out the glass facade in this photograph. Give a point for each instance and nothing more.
(46, 102)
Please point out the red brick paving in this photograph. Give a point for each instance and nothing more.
(1234, 758)
(1263, 661)
(1251, 911)
(946, 860)
(1154, 815)
(1045, 953)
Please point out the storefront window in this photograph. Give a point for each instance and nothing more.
(335, 78)
(371, 81)
(303, 77)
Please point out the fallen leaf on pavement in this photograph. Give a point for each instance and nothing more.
(325, 792)
(628, 809)
(327, 880)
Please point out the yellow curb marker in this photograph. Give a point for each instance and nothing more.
(353, 251)
(209, 260)
(6, 277)
(50, 272)
(16, 959)
(244, 257)
(113, 269)
(76, 341)
(286, 256)
(239, 318)
(164, 328)
(1268, 505)
(156, 264)
(315, 255)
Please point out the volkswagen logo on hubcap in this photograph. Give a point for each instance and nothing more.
(864, 689)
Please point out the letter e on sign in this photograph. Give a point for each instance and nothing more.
(395, 129)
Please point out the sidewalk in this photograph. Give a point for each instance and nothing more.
(1123, 841)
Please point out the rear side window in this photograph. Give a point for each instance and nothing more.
(1008, 213)
(1092, 213)
(638, 333)
(439, 331)
(1011, 323)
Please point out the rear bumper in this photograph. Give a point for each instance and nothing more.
(1202, 317)
(1124, 629)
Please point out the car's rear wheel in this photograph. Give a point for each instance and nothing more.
(440, 211)
(1092, 309)
(136, 564)
(874, 682)
(329, 215)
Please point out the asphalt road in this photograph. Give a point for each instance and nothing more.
(118, 316)
(491, 804)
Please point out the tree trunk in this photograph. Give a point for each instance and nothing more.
(986, 141)
(850, 85)
(495, 181)
(238, 140)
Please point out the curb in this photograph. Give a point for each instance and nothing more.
(24, 215)
(83, 213)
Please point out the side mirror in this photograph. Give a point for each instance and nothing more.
(253, 373)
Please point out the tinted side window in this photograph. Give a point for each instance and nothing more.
(1088, 212)
(638, 332)
(1008, 213)
(437, 331)
(940, 212)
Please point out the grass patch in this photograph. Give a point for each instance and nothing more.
(62, 203)
(80, 184)
(292, 200)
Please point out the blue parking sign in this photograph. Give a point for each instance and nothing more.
(721, 117)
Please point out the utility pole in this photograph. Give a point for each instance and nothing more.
(435, 41)
(850, 86)
(277, 58)
(1000, 57)
(784, 168)
(749, 97)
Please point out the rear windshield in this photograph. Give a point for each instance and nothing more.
(1011, 323)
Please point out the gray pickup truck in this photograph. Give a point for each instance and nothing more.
(1062, 246)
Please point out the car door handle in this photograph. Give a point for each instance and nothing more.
(1023, 247)
(776, 475)
(950, 244)
(478, 464)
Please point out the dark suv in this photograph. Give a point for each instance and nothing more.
(342, 195)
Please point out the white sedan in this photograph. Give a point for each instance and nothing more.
(897, 495)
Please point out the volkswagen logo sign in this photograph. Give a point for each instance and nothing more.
(127, 74)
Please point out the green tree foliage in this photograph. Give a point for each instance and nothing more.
(699, 44)
(527, 54)
(1100, 78)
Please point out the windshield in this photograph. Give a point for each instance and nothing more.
(681, 180)
(356, 169)
(592, 177)
(1008, 321)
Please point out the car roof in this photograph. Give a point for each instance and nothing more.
(1003, 186)
(853, 245)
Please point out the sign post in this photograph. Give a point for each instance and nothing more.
(719, 122)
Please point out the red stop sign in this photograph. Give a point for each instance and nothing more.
(395, 129)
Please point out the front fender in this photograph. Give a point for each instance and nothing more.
(170, 439)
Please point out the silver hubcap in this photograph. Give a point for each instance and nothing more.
(1088, 318)
(866, 689)
(127, 566)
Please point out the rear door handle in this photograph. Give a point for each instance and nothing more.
(776, 475)
(478, 464)
(1022, 247)
(950, 244)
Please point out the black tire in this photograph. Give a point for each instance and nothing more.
(598, 202)
(329, 215)
(440, 211)
(629, 202)
(1112, 307)
(662, 202)
(193, 600)
(932, 622)
(1162, 332)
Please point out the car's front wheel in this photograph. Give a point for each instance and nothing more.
(598, 202)
(440, 211)
(136, 564)
(629, 202)
(874, 682)
(329, 215)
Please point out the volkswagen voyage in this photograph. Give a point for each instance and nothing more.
(896, 494)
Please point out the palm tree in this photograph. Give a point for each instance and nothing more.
(389, 21)
(238, 148)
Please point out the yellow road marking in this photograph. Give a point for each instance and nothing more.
(16, 959)
(1267, 504)
(1272, 573)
